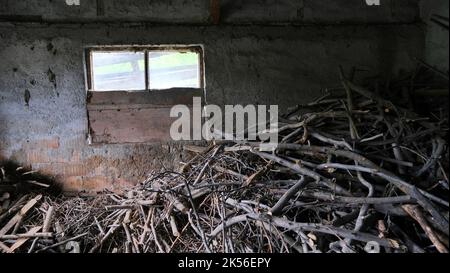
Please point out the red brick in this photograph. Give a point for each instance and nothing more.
(37, 156)
(72, 183)
(63, 169)
(96, 184)
(74, 169)
(76, 156)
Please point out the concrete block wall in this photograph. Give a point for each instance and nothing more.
(198, 11)
(436, 37)
(258, 64)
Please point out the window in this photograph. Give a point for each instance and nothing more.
(120, 70)
(169, 69)
(144, 68)
(130, 90)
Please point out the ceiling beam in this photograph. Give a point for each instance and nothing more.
(214, 9)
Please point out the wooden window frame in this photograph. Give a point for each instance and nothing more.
(104, 108)
(144, 49)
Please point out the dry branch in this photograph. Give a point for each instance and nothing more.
(344, 163)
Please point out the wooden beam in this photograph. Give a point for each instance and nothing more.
(215, 11)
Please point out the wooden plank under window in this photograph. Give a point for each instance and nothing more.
(134, 117)
(149, 81)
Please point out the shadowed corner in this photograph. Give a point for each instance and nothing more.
(16, 179)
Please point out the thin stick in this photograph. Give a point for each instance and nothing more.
(415, 213)
(63, 242)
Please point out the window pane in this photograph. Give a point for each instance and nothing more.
(118, 71)
(169, 69)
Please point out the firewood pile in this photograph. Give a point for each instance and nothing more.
(352, 172)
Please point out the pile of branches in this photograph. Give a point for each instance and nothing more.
(351, 173)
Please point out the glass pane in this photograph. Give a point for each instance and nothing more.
(169, 69)
(118, 71)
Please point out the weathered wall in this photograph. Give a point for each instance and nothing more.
(198, 11)
(436, 39)
(244, 64)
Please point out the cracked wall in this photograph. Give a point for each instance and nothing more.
(43, 120)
